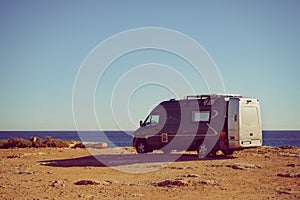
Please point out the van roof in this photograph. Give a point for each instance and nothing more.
(204, 96)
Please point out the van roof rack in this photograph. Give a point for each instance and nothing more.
(205, 96)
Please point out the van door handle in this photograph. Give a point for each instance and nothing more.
(235, 117)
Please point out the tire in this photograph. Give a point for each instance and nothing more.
(227, 152)
(141, 146)
(213, 153)
(202, 150)
(166, 151)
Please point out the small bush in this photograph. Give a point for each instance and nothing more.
(48, 139)
(34, 142)
(57, 143)
(37, 142)
(18, 143)
(3, 144)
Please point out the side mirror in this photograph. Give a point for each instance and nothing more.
(141, 123)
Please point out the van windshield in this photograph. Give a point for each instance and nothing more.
(152, 120)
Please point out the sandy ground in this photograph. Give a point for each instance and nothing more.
(262, 173)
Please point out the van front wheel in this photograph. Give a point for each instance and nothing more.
(141, 146)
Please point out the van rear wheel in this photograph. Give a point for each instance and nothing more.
(166, 150)
(202, 150)
(227, 152)
(141, 146)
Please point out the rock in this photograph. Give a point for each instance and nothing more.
(287, 147)
(284, 191)
(32, 154)
(207, 182)
(223, 188)
(288, 154)
(289, 175)
(87, 182)
(106, 182)
(77, 145)
(132, 184)
(192, 168)
(243, 166)
(291, 165)
(56, 183)
(33, 139)
(25, 172)
(95, 145)
(137, 195)
(15, 156)
(172, 183)
(192, 175)
(215, 165)
(179, 168)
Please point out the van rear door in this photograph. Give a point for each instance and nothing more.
(244, 123)
(250, 123)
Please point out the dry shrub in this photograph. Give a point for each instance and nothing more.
(18, 143)
(37, 142)
(3, 144)
(56, 142)
(33, 142)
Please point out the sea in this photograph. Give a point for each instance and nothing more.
(272, 138)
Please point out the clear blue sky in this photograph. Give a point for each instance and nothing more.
(255, 44)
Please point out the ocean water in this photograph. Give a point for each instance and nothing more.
(281, 138)
(120, 138)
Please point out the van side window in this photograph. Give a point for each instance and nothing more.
(152, 120)
(201, 116)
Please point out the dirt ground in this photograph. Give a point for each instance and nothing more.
(120, 173)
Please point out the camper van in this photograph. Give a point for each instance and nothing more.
(202, 123)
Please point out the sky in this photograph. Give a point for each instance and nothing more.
(254, 44)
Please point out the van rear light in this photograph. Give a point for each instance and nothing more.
(223, 135)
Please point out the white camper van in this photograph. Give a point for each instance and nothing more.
(206, 123)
